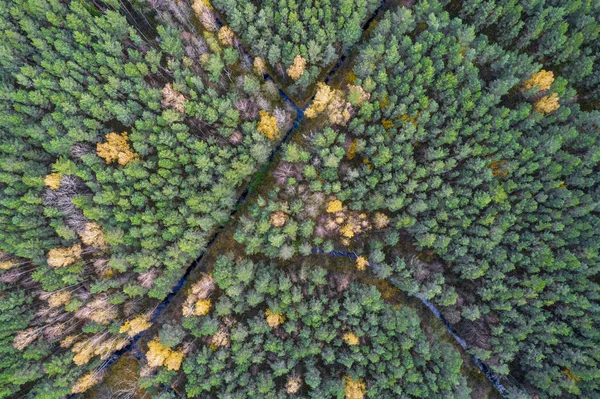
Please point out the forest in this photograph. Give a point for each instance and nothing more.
(280, 199)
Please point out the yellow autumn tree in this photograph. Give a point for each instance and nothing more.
(352, 150)
(268, 125)
(157, 353)
(547, 104)
(135, 326)
(322, 97)
(7, 264)
(347, 230)
(387, 124)
(60, 257)
(204, 12)
(84, 351)
(116, 148)
(52, 181)
(338, 109)
(202, 307)
(334, 206)
(278, 219)
(542, 80)
(260, 66)
(351, 338)
(226, 36)
(174, 360)
(361, 263)
(354, 389)
(274, 319)
(160, 355)
(199, 4)
(68, 341)
(59, 298)
(87, 381)
(297, 68)
(93, 235)
(197, 302)
(293, 385)
(219, 339)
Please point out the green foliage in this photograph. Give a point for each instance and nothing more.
(279, 31)
(394, 355)
(494, 199)
(185, 145)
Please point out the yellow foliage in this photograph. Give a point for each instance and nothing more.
(347, 231)
(7, 264)
(226, 36)
(499, 168)
(570, 375)
(334, 206)
(268, 125)
(542, 80)
(93, 235)
(98, 310)
(352, 150)
(293, 385)
(157, 353)
(547, 104)
(116, 148)
(361, 263)
(135, 326)
(322, 98)
(412, 119)
(274, 319)
(52, 181)
(60, 257)
(278, 219)
(351, 77)
(387, 124)
(351, 338)
(220, 339)
(259, 66)
(338, 110)
(68, 341)
(174, 360)
(160, 355)
(354, 389)
(87, 381)
(59, 298)
(84, 352)
(204, 59)
(200, 4)
(384, 102)
(297, 68)
(202, 307)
